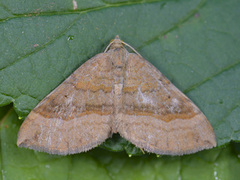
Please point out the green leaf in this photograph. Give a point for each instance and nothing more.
(189, 41)
(194, 43)
(23, 164)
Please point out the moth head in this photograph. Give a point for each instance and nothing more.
(116, 43)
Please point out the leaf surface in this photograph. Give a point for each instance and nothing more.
(194, 43)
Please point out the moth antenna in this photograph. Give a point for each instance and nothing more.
(126, 44)
(131, 48)
(108, 46)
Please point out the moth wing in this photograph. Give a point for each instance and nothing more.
(157, 117)
(76, 116)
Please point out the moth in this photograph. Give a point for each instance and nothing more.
(116, 92)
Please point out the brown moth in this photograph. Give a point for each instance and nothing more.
(116, 92)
